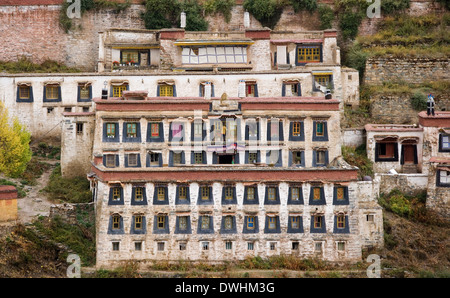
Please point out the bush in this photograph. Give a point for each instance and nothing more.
(326, 15)
(349, 23)
(267, 12)
(419, 101)
(356, 58)
(219, 6)
(393, 6)
(194, 17)
(300, 5)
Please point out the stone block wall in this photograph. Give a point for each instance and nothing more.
(410, 184)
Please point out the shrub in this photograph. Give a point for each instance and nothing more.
(419, 101)
(393, 6)
(326, 16)
(194, 17)
(219, 6)
(300, 5)
(267, 12)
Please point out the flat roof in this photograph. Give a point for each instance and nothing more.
(392, 127)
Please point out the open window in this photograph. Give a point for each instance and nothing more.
(386, 149)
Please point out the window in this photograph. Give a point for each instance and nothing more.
(165, 90)
(160, 246)
(138, 246)
(79, 128)
(139, 194)
(298, 158)
(177, 131)
(296, 129)
(116, 193)
(24, 92)
(204, 191)
(272, 223)
(271, 193)
(138, 222)
(198, 158)
(182, 223)
(161, 222)
(316, 193)
(308, 54)
(444, 178)
(295, 193)
(198, 130)
(84, 92)
(370, 217)
(319, 129)
(341, 245)
(253, 157)
(291, 89)
(228, 223)
(228, 193)
(250, 246)
(295, 222)
(118, 90)
(323, 80)
(133, 159)
(161, 193)
(205, 245)
(228, 245)
(251, 130)
(116, 222)
(205, 222)
(317, 222)
(340, 221)
(52, 92)
(318, 246)
(110, 130)
(206, 89)
(129, 56)
(115, 246)
(386, 150)
(444, 143)
(154, 159)
(214, 55)
(275, 130)
(295, 245)
(182, 246)
(131, 130)
(272, 245)
(251, 222)
(321, 158)
(154, 130)
(177, 158)
(250, 193)
(251, 89)
(182, 193)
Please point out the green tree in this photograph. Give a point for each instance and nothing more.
(194, 16)
(300, 5)
(161, 14)
(267, 12)
(15, 152)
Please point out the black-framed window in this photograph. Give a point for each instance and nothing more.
(138, 195)
(138, 224)
(153, 159)
(161, 195)
(317, 195)
(161, 224)
(132, 160)
(24, 93)
(176, 158)
(252, 130)
(320, 158)
(297, 130)
(228, 225)
(118, 88)
(111, 160)
(202, 87)
(324, 80)
(295, 224)
(166, 90)
(110, 132)
(318, 224)
(115, 225)
(340, 195)
(205, 196)
(274, 157)
(442, 178)
(272, 196)
(252, 157)
(444, 142)
(182, 196)
(205, 224)
(297, 158)
(229, 195)
(198, 158)
(341, 224)
(251, 225)
(155, 132)
(52, 93)
(251, 195)
(295, 195)
(386, 151)
(275, 130)
(84, 92)
(251, 89)
(272, 224)
(116, 195)
(131, 132)
(320, 131)
(183, 224)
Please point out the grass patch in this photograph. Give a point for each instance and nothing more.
(358, 157)
(25, 65)
(71, 190)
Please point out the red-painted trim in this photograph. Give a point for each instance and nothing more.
(440, 119)
(232, 174)
(8, 192)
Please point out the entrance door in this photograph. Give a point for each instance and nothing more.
(408, 151)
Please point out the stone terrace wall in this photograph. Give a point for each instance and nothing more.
(412, 70)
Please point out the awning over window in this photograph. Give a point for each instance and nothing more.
(118, 83)
(213, 42)
(322, 72)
